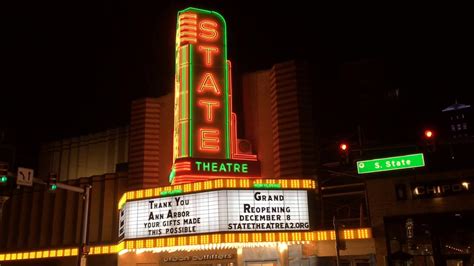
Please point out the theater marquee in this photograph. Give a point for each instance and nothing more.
(216, 211)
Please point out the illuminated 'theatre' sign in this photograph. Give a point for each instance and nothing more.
(204, 124)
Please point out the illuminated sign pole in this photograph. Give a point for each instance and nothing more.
(202, 118)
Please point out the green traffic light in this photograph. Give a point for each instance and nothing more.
(3, 179)
(54, 187)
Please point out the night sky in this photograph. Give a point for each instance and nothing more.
(72, 68)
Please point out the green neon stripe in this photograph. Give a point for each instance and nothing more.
(172, 175)
(191, 110)
(227, 151)
(196, 9)
(227, 114)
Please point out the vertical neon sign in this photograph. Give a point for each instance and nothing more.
(205, 129)
(202, 114)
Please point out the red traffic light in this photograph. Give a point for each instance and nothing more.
(429, 134)
(343, 147)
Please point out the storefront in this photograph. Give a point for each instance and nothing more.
(218, 222)
(423, 219)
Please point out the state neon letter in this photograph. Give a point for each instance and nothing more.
(208, 50)
(209, 105)
(208, 83)
(208, 30)
(209, 139)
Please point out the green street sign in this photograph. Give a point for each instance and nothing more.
(391, 163)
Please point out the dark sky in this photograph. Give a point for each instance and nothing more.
(73, 67)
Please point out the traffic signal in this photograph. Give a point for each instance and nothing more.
(343, 147)
(344, 153)
(3, 173)
(52, 186)
(3, 179)
(429, 137)
(429, 134)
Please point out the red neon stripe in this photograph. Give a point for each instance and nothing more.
(187, 40)
(188, 15)
(184, 39)
(183, 164)
(187, 27)
(234, 133)
(246, 157)
(182, 170)
(187, 22)
(187, 33)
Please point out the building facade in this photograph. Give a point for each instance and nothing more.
(424, 218)
(193, 192)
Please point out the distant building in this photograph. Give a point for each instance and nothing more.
(278, 103)
(93, 154)
(458, 120)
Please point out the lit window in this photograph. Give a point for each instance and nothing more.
(459, 127)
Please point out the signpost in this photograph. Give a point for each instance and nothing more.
(391, 163)
(24, 177)
(3, 199)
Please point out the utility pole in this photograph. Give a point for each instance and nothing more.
(83, 249)
(336, 231)
(3, 199)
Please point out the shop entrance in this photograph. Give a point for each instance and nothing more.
(442, 239)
